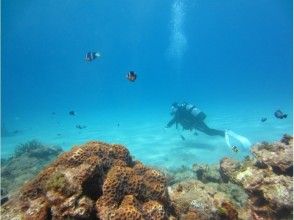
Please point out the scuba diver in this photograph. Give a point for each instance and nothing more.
(191, 118)
(90, 56)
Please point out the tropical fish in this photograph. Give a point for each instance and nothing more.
(279, 114)
(131, 76)
(263, 119)
(182, 137)
(235, 149)
(90, 56)
(81, 126)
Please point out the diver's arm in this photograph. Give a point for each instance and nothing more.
(170, 123)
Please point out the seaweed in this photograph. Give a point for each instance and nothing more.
(27, 147)
(265, 145)
(58, 182)
(34, 148)
(222, 211)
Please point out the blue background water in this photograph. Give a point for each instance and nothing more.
(231, 58)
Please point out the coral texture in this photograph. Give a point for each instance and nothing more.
(278, 156)
(93, 181)
(267, 179)
(196, 200)
(207, 173)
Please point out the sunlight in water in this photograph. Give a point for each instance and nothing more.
(178, 41)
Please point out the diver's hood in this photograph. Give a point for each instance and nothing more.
(173, 110)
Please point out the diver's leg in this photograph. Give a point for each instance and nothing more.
(201, 126)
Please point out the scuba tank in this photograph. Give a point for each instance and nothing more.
(192, 108)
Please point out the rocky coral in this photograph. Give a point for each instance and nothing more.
(234, 192)
(179, 174)
(93, 181)
(101, 181)
(207, 173)
(278, 156)
(196, 200)
(267, 179)
(26, 162)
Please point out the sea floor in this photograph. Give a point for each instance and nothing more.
(145, 135)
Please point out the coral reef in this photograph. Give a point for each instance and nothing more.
(234, 192)
(26, 162)
(266, 178)
(196, 200)
(278, 156)
(179, 174)
(211, 176)
(207, 173)
(102, 181)
(93, 181)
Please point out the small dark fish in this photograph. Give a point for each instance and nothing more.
(235, 149)
(279, 114)
(90, 56)
(131, 76)
(263, 119)
(72, 113)
(53, 113)
(15, 131)
(81, 126)
(182, 137)
(59, 134)
(118, 125)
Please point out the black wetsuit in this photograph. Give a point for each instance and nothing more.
(188, 121)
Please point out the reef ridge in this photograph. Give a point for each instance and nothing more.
(93, 181)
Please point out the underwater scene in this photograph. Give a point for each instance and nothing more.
(170, 109)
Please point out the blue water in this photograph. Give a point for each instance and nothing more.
(233, 59)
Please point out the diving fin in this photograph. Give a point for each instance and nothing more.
(243, 140)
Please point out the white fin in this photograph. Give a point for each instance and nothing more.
(243, 140)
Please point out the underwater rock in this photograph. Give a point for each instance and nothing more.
(179, 174)
(196, 200)
(28, 159)
(207, 173)
(234, 192)
(93, 181)
(279, 155)
(227, 168)
(266, 179)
